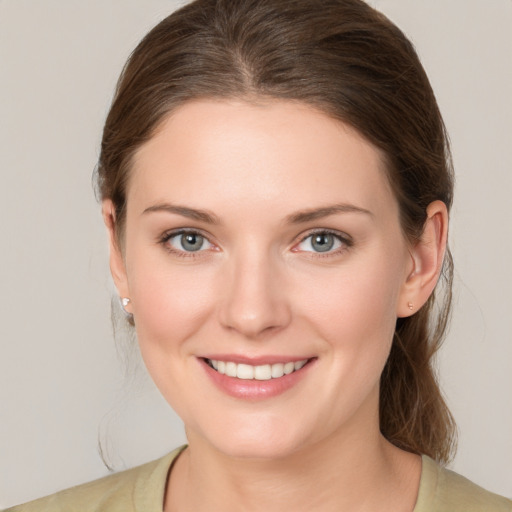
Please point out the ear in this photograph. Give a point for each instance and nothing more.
(427, 257)
(117, 264)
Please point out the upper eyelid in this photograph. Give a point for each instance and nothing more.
(344, 237)
(166, 235)
(164, 238)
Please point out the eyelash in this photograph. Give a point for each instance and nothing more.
(343, 238)
(182, 254)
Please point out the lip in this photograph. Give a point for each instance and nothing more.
(255, 389)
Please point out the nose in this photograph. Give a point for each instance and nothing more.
(254, 299)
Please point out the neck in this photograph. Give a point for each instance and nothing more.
(347, 471)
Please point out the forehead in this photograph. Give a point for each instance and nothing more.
(274, 153)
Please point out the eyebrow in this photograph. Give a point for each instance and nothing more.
(320, 213)
(191, 213)
(295, 218)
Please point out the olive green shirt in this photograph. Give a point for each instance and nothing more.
(142, 489)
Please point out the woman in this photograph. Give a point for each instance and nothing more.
(276, 183)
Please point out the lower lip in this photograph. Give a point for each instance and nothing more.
(255, 389)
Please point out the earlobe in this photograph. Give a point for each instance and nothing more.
(427, 257)
(117, 264)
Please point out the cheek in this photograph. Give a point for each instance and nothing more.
(354, 308)
(170, 303)
(170, 307)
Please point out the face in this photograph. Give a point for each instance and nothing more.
(265, 264)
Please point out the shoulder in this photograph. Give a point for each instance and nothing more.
(442, 490)
(140, 489)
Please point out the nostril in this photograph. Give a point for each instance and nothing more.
(253, 301)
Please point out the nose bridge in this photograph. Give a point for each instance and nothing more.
(254, 301)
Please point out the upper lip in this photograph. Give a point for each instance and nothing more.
(255, 360)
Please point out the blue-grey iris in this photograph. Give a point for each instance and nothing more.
(191, 241)
(322, 242)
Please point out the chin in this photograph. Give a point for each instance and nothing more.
(263, 442)
(258, 449)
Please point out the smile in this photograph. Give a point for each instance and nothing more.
(260, 372)
(267, 377)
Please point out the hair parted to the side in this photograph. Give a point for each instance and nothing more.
(349, 61)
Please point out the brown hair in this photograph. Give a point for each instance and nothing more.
(349, 61)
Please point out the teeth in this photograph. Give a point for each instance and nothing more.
(231, 369)
(288, 368)
(277, 370)
(298, 365)
(245, 371)
(261, 372)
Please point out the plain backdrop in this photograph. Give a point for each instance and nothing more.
(63, 382)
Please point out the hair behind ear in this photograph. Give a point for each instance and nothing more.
(413, 413)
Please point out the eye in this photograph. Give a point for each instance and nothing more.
(187, 241)
(322, 242)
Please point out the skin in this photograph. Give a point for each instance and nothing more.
(259, 288)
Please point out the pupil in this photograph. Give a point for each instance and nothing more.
(191, 242)
(323, 242)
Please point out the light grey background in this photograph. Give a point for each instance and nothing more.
(61, 380)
